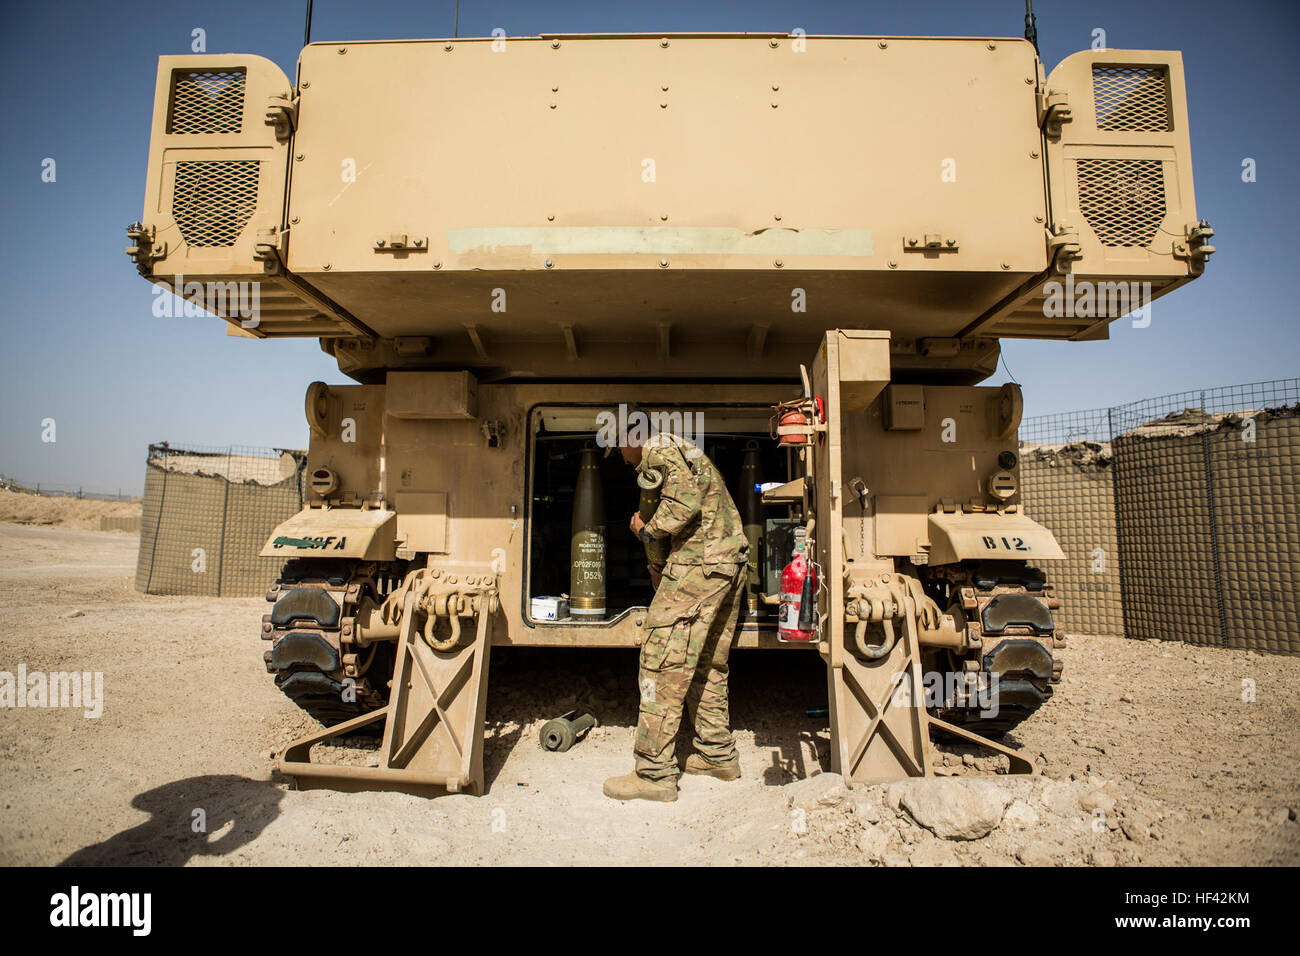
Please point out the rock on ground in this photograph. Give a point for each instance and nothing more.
(954, 809)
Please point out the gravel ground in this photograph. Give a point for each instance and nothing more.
(1150, 753)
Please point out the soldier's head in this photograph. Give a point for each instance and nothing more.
(630, 443)
(634, 429)
(631, 453)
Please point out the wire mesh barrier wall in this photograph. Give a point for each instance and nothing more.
(1204, 515)
(1093, 424)
(206, 514)
(1070, 489)
(1209, 529)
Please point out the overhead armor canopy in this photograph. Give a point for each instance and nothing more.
(949, 191)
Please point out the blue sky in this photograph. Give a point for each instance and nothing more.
(81, 346)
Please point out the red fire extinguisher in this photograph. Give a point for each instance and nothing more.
(793, 419)
(792, 415)
(798, 594)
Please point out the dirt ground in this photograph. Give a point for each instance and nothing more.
(59, 512)
(1149, 753)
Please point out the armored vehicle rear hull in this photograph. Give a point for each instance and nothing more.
(801, 252)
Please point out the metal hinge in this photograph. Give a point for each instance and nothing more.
(272, 250)
(1063, 246)
(1196, 249)
(282, 113)
(144, 248)
(1053, 110)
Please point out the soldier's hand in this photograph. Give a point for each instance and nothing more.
(656, 575)
(636, 524)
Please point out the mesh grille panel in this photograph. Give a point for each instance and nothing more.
(1132, 98)
(1166, 534)
(214, 199)
(1257, 521)
(1070, 490)
(209, 101)
(1122, 199)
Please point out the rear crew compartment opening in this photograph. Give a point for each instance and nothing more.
(558, 436)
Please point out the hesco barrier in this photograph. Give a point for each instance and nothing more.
(119, 523)
(206, 514)
(1209, 526)
(1069, 488)
(1191, 500)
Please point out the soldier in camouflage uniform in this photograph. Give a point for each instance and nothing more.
(691, 621)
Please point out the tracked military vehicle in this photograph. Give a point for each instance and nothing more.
(802, 251)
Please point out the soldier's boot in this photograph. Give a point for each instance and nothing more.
(632, 786)
(726, 771)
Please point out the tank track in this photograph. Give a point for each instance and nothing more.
(314, 604)
(1007, 607)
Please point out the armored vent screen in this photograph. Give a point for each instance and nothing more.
(211, 101)
(213, 200)
(1123, 200)
(1134, 98)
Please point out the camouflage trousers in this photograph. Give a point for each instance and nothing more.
(689, 629)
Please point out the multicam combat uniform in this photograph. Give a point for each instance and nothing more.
(693, 617)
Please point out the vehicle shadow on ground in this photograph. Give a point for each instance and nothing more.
(200, 816)
(771, 691)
